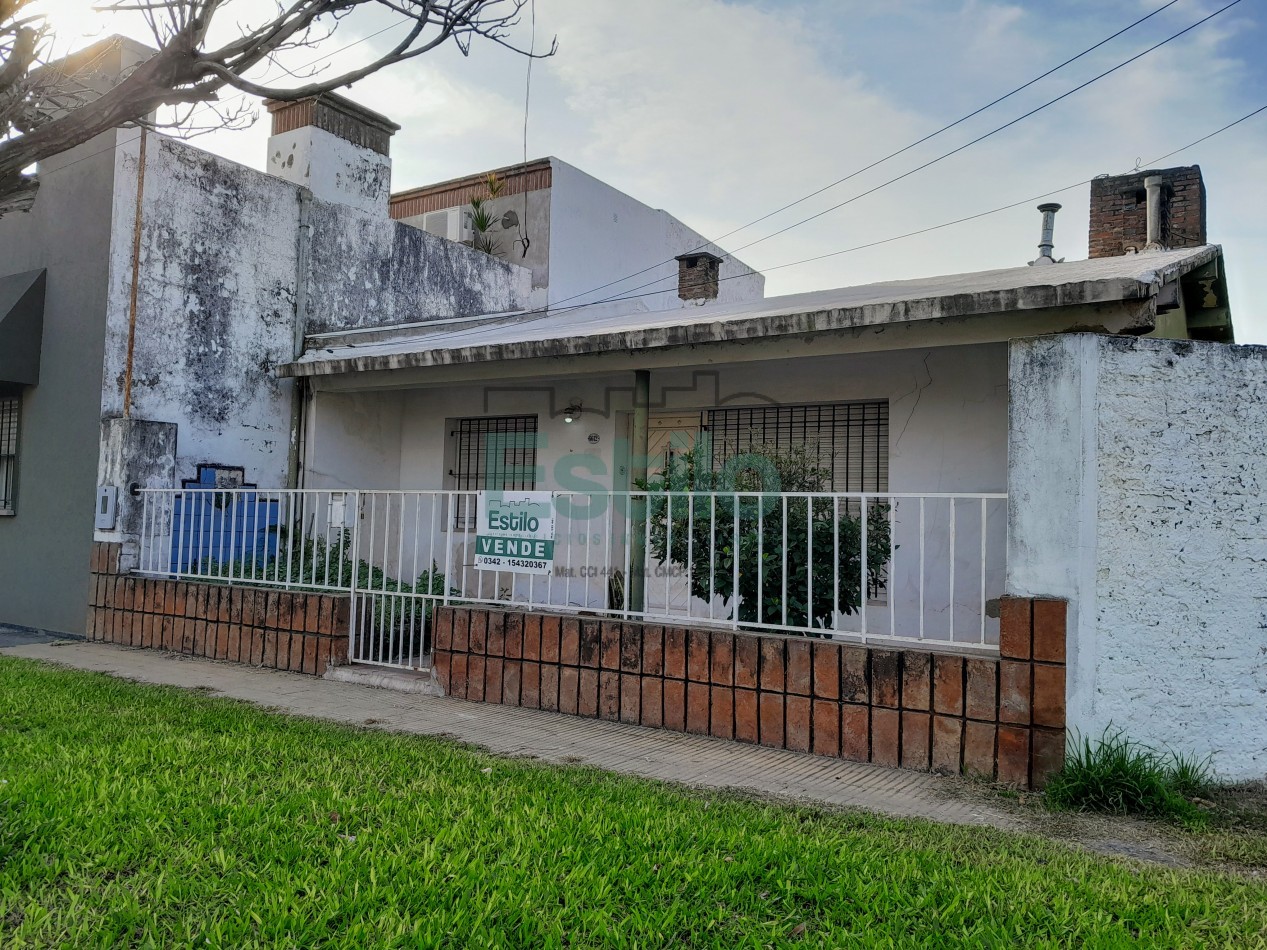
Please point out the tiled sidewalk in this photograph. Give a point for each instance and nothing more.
(655, 754)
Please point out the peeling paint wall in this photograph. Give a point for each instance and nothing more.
(532, 208)
(332, 168)
(138, 453)
(217, 297)
(370, 271)
(215, 306)
(1138, 469)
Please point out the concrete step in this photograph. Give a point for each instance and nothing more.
(403, 681)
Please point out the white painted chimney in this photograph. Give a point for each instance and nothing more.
(335, 148)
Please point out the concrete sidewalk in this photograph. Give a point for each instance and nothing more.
(551, 737)
(11, 636)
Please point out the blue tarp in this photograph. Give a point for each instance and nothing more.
(219, 527)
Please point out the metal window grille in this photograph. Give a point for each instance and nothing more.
(492, 452)
(852, 438)
(9, 411)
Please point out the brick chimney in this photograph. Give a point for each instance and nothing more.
(698, 274)
(1119, 211)
(334, 147)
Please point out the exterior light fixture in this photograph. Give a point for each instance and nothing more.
(571, 413)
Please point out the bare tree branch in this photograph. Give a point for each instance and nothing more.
(47, 108)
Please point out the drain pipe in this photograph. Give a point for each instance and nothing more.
(303, 267)
(1152, 185)
(640, 450)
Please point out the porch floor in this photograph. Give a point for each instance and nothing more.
(551, 737)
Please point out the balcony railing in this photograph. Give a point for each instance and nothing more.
(855, 566)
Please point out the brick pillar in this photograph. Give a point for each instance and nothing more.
(1031, 740)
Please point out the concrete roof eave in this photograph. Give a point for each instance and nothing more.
(595, 330)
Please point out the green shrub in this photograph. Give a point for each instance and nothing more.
(1115, 775)
(796, 555)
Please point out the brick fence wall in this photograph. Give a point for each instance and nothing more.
(998, 717)
(284, 630)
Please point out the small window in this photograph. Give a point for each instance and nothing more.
(10, 407)
(491, 452)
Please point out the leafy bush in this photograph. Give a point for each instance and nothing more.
(802, 555)
(483, 219)
(1113, 774)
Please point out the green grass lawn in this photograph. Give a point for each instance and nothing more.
(134, 815)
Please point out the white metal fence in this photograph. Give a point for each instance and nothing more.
(916, 567)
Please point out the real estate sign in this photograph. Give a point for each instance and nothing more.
(515, 532)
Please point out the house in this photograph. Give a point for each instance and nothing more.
(961, 408)
(1029, 485)
(936, 523)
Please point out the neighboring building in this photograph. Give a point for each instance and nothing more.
(581, 238)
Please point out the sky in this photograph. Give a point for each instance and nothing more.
(721, 111)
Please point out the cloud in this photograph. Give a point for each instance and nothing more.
(720, 111)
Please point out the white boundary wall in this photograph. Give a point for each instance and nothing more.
(1137, 480)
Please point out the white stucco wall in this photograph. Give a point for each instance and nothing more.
(947, 433)
(599, 234)
(216, 302)
(353, 440)
(215, 306)
(332, 168)
(584, 233)
(1138, 470)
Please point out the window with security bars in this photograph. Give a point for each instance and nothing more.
(491, 453)
(852, 438)
(10, 407)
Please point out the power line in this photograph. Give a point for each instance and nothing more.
(905, 148)
(931, 228)
(1006, 125)
(918, 168)
(1210, 136)
(959, 121)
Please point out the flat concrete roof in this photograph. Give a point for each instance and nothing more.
(623, 325)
